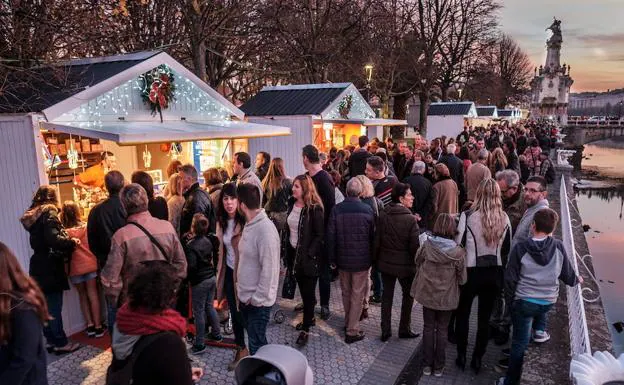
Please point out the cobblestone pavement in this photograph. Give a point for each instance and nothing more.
(333, 362)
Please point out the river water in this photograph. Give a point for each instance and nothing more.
(601, 201)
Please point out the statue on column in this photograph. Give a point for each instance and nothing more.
(556, 38)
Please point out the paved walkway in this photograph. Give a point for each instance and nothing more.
(333, 362)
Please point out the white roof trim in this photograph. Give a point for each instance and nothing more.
(77, 100)
(131, 133)
(305, 86)
(109, 59)
(367, 122)
(339, 98)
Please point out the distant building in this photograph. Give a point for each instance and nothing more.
(550, 87)
(610, 103)
(449, 118)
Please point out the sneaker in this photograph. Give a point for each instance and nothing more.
(438, 372)
(299, 307)
(500, 381)
(217, 338)
(325, 313)
(427, 371)
(198, 349)
(374, 299)
(351, 339)
(91, 331)
(503, 364)
(506, 352)
(99, 332)
(540, 336)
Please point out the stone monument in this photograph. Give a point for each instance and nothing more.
(550, 88)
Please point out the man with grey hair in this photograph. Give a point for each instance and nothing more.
(350, 236)
(512, 193)
(143, 238)
(196, 200)
(476, 173)
(456, 169)
(421, 190)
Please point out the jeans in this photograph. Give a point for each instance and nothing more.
(325, 284)
(389, 281)
(256, 319)
(375, 276)
(523, 314)
(202, 297)
(237, 318)
(53, 331)
(485, 283)
(434, 336)
(307, 287)
(111, 314)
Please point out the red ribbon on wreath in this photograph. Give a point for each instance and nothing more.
(158, 90)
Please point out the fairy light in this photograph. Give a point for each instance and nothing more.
(359, 108)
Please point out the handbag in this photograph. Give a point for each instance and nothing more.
(289, 286)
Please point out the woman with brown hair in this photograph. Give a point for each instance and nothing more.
(301, 246)
(172, 168)
(83, 269)
(485, 232)
(175, 202)
(23, 312)
(157, 205)
(277, 190)
(214, 183)
(52, 247)
(497, 161)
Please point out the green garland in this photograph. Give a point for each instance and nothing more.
(157, 89)
(344, 107)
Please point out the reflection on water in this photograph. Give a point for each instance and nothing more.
(602, 210)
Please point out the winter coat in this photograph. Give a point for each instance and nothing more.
(23, 358)
(421, 190)
(157, 207)
(476, 173)
(197, 201)
(357, 162)
(249, 177)
(262, 171)
(515, 207)
(456, 169)
(311, 230)
(478, 252)
(82, 260)
(215, 192)
(396, 241)
(444, 194)
(532, 155)
(222, 263)
(523, 231)
(201, 263)
(104, 219)
(513, 162)
(278, 203)
(175, 204)
(440, 270)
(534, 269)
(52, 246)
(130, 246)
(350, 235)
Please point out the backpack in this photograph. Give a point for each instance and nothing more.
(120, 372)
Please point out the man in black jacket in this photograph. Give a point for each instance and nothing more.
(106, 218)
(456, 168)
(357, 161)
(421, 190)
(196, 201)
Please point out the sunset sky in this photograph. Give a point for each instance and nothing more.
(593, 37)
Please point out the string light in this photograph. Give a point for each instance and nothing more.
(359, 108)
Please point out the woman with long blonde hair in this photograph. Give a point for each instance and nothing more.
(277, 189)
(485, 232)
(497, 161)
(301, 246)
(175, 202)
(23, 312)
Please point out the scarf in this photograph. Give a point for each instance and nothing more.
(139, 322)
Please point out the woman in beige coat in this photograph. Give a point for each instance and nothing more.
(229, 228)
(440, 269)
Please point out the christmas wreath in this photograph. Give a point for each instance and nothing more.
(344, 107)
(157, 89)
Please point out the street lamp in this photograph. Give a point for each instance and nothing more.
(368, 69)
(459, 91)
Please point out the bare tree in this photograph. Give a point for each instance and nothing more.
(514, 69)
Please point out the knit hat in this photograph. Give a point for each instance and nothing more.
(292, 366)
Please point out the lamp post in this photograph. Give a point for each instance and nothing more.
(459, 91)
(368, 70)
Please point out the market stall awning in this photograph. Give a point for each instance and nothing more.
(368, 122)
(130, 133)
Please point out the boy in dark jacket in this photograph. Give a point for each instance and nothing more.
(350, 237)
(202, 278)
(531, 282)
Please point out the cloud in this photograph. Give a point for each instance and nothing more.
(602, 39)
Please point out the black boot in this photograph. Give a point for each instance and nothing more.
(475, 364)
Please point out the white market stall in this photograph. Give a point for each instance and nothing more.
(449, 118)
(486, 115)
(55, 121)
(326, 115)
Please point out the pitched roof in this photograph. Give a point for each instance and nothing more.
(37, 88)
(308, 99)
(487, 111)
(507, 112)
(450, 108)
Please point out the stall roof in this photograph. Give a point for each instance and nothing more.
(466, 109)
(130, 133)
(301, 99)
(510, 112)
(487, 111)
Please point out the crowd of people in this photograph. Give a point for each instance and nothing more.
(451, 220)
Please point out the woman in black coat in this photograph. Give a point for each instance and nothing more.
(301, 242)
(23, 311)
(52, 248)
(156, 205)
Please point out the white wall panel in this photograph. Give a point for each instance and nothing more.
(449, 125)
(285, 147)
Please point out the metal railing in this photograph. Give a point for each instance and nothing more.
(577, 321)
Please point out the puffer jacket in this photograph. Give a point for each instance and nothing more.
(201, 261)
(197, 201)
(350, 235)
(396, 241)
(309, 243)
(440, 270)
(47, 234)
